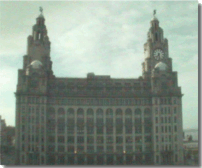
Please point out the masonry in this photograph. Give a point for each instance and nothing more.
(98, 120)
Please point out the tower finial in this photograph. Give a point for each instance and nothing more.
(41, 9)
(154, 12)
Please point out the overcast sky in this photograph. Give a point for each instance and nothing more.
(102, 37)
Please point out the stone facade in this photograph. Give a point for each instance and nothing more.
(98, 119)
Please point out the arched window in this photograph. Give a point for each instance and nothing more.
(137, 111)
(147, 111)
(109, 112)
(80, 113)
(119, 112)
(61, 113)
(70, 112)
(90, 112)
(128, 112)
(99, 112)
(51, 112)
(156, 36)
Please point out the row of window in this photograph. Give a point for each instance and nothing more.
(166, 119)
(100, 129)
(89, 160)
(99, 112)
(99, 139)
(166, 138)
(33, 100)
(165, 129)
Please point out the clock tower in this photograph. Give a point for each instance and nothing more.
(155, 49)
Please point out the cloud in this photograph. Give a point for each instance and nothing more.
(102, 37)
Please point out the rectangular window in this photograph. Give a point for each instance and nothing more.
(157, 159)
(70, 139)
(119, 139)
(175, 128)
(156, 119)
(61, 148)
(162, 129)
(169, 138)
(165, 119)
(80, 139)
(61, 139)
(175, 110)
(176, 158)
(90, 139)
(162, 121)
(156, 129)
(175, 119)
(161, 110)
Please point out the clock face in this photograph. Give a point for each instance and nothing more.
(158, 54)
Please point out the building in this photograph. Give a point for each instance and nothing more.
(98, 119)
(7, 134)
(190, 149)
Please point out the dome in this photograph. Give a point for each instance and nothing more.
(36, 64)
(154, 18)
(161, 66)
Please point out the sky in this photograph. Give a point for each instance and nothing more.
(104, 37)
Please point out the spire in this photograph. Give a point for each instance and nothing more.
(41, 14)
(39, 29)
(154, 16)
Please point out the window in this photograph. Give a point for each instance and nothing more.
(70, 139)
(138, 139)
(175, 137)
(61, 148)
(166, 129)
(137, 112)
(129, 139)
(80, 139)
(156, 119)
(162, 120)
(100, 139)
(175, 128)
(109, 139)
(51, 139)
(157, 159)
(99, 112)
(90, 148)
(162, 129)
(109, 113)
(119, 113)
(175, 119)
(119, 139)
(147, 111)
(71, 149)
(138, 129)
(176, 158)
(169, 138)
(162, 139)
(90, 113)
(156, 129)
(148, 139)
(90, 139)
(161, 110)
(128, 113)
(175, 110)
(61, 139)
(168, 110)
